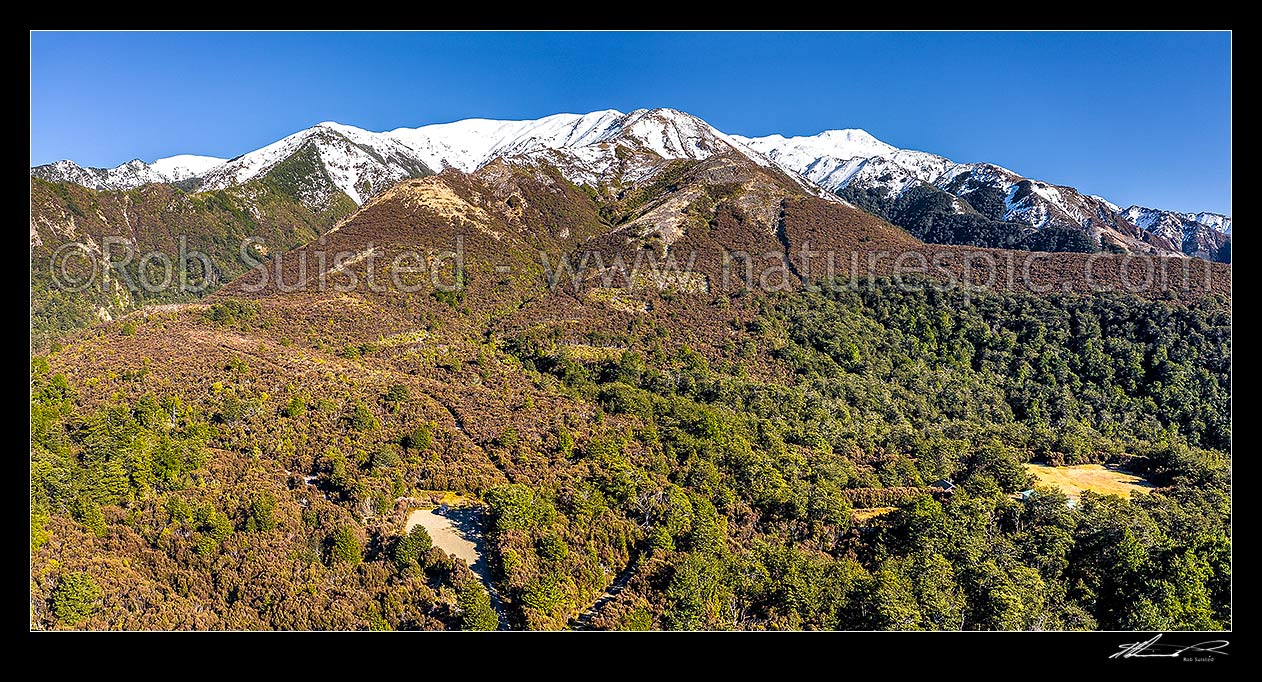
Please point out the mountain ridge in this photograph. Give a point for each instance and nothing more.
(932, 196)
(134, 173)
(852, 159)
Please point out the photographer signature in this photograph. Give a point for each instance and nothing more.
(1153, 649)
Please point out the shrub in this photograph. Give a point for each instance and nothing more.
(397, 395)
(384, 458)
(517, 507)
(420, 438)
(412, 549)
(296, 407)
(362, 418)
(231, 311)
(262, 513)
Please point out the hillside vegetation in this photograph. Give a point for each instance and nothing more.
(275, 210)
(248, 462)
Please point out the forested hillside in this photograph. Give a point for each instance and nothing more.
(732, 494)
(737, 458)
(78, 279)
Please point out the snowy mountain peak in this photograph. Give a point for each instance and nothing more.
(583, 146)
(359, 163)
(842, 145)
(672, 134)
(1112, 206)
(855, 142)
(134, 173)
(1214, 221)
(856, 165)
(858, 135)
(184, 166)
(469, 144)
(1155, 219)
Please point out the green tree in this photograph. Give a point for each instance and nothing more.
(384, 457)
(517, 507)
(420, 438)
(410, 549)
(474, 603)
(695, 594)
(894, 600)
(39, 534)
(213, 523)
(75, 597)
(262, 513)
(344, 546)
(86, 511)
(295, 408)
(638, 619)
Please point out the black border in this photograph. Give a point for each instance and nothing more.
(582, 655)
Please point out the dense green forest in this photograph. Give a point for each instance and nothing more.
(727, 480)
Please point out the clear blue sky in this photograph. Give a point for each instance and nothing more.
(1136, 117)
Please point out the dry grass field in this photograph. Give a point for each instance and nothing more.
(1094, 477)
(869, 513)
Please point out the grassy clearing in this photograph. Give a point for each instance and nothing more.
(438, 498)
(867, 514)
(1094, 477)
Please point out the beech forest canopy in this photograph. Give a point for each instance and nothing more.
(782, 477)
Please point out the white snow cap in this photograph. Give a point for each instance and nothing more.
(184, 166)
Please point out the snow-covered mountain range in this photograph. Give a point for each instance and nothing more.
(588, 138)
(134, 173)
(361, 163)
(841, 160)
(605, 146)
